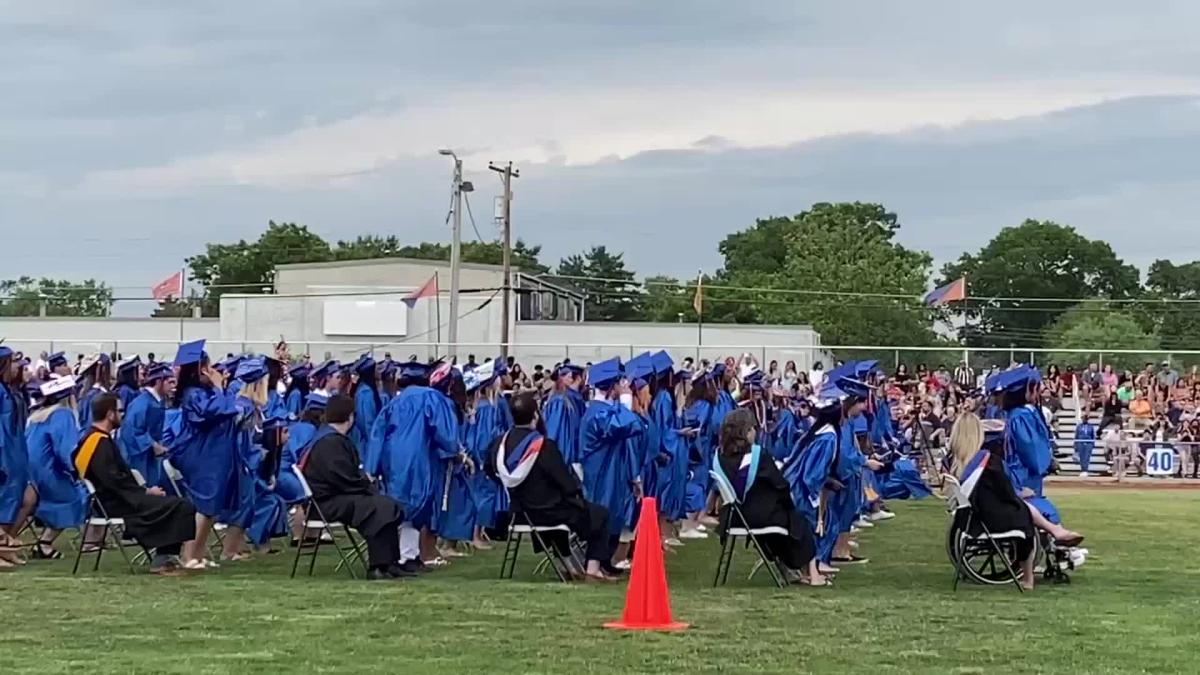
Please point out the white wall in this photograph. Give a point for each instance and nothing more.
(548, 342)
(85, 336)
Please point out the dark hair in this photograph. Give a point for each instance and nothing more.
(102, 405)
(705, 391)
(312, 416)
(524, 408)
(370, 380)
(339, 410)
(299, 384)
(189, 376)
(128, 377)
(734, 430)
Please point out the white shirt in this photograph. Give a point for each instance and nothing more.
(153, 393)
(816, 377)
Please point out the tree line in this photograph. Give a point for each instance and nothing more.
(838, 267)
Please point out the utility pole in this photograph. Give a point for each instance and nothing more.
(507, 173)
(455, 252)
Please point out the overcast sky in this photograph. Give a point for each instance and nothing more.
(132, 132)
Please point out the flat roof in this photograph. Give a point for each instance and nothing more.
(372, 262)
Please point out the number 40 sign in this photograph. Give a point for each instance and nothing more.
(1160, 460)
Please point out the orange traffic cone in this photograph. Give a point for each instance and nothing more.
(647, 606)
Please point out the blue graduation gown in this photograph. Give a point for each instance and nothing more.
(366, 409)
(140, 430)
(806, 470)
(610, 464)
(847, 503)
(783, 435)
(417, 437)
(700, 452)
(478, 433)
(1028, 456)
(248, 457)
(902, 481)
(205, 449)
(667, 464)
(563, 420)
(300, 440)
(126, 394)
(84, 408)
(14, 457)
(294, 402)
(724, 405)
(62, 498)
(1085, 443)
(276, 407)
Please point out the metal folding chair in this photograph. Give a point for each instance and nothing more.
(966, 547)
(735, 527)
(98, 517)
(314, 519)
(552, 557)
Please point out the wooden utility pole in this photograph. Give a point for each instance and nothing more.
(507, 173)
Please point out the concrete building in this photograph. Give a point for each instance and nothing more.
(341, 309)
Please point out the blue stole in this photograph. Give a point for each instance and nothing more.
(747, 471)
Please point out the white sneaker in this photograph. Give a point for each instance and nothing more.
(1083, 474)
(827, 569)
(673, 541)
(1077, 559)
(881, 515)
(623, 564)
(693, 534)
(863, 522)
(701, 528)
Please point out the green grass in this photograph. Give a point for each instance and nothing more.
(1133, 608)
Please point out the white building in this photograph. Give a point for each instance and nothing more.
(341, 309)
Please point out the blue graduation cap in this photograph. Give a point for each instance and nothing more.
(414, 370)
(662, 362)
(300, 370)
(365, 363)
(718, 371)
(754, 380)
(387, 368)
(699, 377)
(33, 390)
(853, 387)
(189, 353)
(5, 352)
(326, 370)
(845, 370)
(159, 371)
(640, 367)
(829, 397)
(1015, 379)
(864, 368)
(251, 370)
(570, 369)
(605, 374)
(56, 360)
(129, 363)
(315, 401)
(444, 376)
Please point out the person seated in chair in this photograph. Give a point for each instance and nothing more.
(346, 495)
(765, 499)
(543, 488)
(994, 501)
(155, 520)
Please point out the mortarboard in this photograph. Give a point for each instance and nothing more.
(275, 422)
(605, 374)
(569, 369)
(315, 401)
(365, 363)
(131, 362)
(640, 367)
(56, 360)
(993, 430)
(192, 352)
(159, 371)
(57, 389)
(326, 370)
(479, 376)
(414, 370)
(444, 375)
(864, 368)
(251, 370)
(1015, 379)
(5, 352)
(300, 370)
(662, 363)
(718, 370)
(852, 387)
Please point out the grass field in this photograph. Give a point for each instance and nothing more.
(1133, 608)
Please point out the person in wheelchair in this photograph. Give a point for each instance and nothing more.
(993, 498)
(765, 499)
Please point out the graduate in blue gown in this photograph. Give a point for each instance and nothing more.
(1027, 446)
(482, 425)
(724, 404)
(276, 407)
(784, 431)
(387, 381)
(809, 470)
(94, 379)
(301, 435)
(17, 496)
(205, 447)
(58, 365)
(141, 435)
(127, 384)
(269, 518)
(456, 515)
(325, 377)
(666, 477)
(257, 513)
(698, 428)
(611, 464)
(847, 502)
(51, 438)
(562, 413)
(367, 401)
(297, 389)
(414, 443)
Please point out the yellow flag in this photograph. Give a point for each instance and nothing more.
(698, 301)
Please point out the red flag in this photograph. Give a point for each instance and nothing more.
(952, 292)
(170, 287)
(429, 290)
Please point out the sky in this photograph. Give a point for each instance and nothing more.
(132, 132)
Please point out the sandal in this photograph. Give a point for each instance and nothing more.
(1070, 541)
(805, 581)
(46, 551)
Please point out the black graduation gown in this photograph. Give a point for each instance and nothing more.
(551, 494)
(769, 504)
(344, 493)
(997, 504)
(153, 521)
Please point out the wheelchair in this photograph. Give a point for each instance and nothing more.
(991, 558)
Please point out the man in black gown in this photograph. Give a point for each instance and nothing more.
(549, 493)
(345, 494)
(155, 520)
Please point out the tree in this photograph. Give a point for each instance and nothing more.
(1099, 327)
(25, 297)
(612, 293)
(1037, 259)
(1160, 310)
(666, 300)
(247, 267)
(815, 264)
(524, 256)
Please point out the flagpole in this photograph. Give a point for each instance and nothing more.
(182, 284)
(437, 302)
(699, 312)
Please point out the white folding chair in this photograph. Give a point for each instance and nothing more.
(97, 517)
(964, 548)
(736, 526)
(314, 519)
(542, 536)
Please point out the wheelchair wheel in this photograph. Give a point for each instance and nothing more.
(981, 563)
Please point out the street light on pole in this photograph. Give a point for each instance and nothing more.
(455, 249)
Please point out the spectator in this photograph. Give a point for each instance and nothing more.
(943, 376)
(964, 376)
(817, 375)
(1141, 410)
(1090, 382)
(773, 371)
(789, 375)
(1167, 376)
(1068, 382)
(1053, 381)
(1109, 378)
(1112, 411)
(1085, 442)
(1189, 438)
(903, 380)
(1125, 392)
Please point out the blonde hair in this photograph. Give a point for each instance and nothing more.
(966, 438)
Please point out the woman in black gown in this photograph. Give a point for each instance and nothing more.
(764, 497)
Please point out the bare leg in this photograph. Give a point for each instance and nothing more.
(1027, 572)
(234, 542)
(197, 549)
(429, 550)
(1040, 522)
